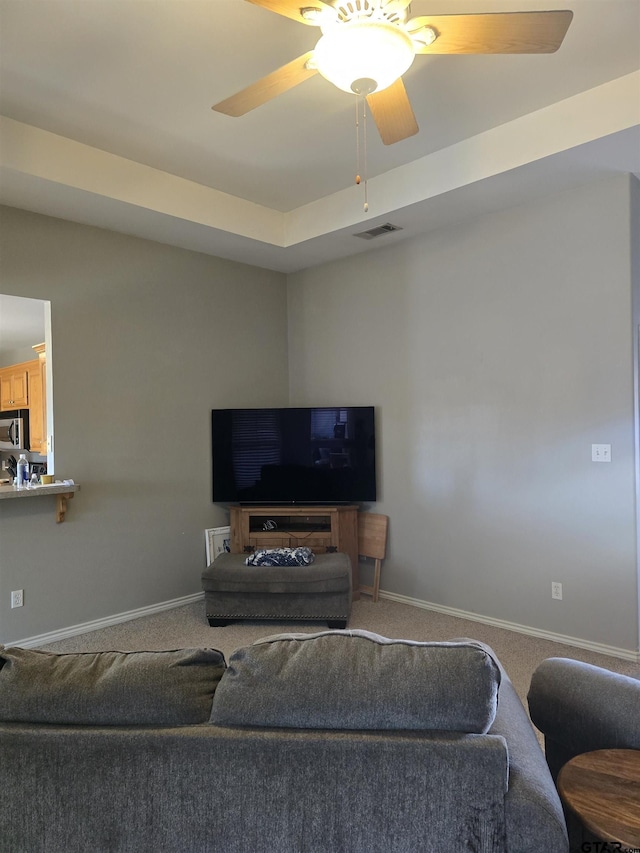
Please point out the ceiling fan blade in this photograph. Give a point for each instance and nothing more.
(268, 87)
(397, 5)
(495, 32)
(392, 113)
(292, 8)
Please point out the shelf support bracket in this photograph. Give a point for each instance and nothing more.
(61, 506)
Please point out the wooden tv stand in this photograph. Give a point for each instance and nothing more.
(321, 528)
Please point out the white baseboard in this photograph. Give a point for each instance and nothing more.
(96, 624)
(612, 651)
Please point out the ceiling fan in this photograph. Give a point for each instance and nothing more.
(367, 45)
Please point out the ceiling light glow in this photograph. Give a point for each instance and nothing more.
(350, 52)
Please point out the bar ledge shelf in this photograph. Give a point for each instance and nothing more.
(63, 493)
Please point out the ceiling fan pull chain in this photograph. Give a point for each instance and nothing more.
(364, 138)
(364, 146)
(357, 140)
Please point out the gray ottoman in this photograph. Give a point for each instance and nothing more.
(319, 592)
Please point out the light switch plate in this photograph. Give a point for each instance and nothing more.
(601, 453)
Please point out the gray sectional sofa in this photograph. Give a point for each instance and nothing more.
(579, 708)
(336, 742)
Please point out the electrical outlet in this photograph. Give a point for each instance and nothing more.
(17, 598)
(556, 590)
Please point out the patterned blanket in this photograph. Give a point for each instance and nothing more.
(281, 557)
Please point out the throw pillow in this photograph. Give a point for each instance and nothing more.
(163, 688)
(358, 680)
(281, 557)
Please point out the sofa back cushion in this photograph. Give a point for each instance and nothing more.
(168, 688)
(358, 680)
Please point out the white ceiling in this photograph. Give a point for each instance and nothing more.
(109, 122)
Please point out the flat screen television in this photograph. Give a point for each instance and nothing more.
(294, 455)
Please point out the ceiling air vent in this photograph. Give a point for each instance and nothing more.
(387, 228)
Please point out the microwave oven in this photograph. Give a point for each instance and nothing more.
(12, 434)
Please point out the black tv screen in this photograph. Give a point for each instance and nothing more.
(294, 455)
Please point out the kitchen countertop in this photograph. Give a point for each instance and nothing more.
(63, 492)
(52, 489)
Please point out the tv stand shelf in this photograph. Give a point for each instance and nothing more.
(323, 529)
(319, 521)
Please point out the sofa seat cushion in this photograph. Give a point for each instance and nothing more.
(229, 573)
(358, 680)
(166, 688)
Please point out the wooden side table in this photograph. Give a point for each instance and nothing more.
(603, 789)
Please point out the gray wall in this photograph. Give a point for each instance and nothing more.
(497, 352)
(147, 339)
(635, 278)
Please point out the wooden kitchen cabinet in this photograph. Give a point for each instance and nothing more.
(14, 387)
(37, 402)
(23, 386)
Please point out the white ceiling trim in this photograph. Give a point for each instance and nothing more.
(51, 174)
(41, 154)
(602, 111)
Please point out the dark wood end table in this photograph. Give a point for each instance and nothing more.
(603, 789)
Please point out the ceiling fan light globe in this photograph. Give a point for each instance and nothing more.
(360, 50)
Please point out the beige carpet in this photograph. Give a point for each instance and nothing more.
(187, 626)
